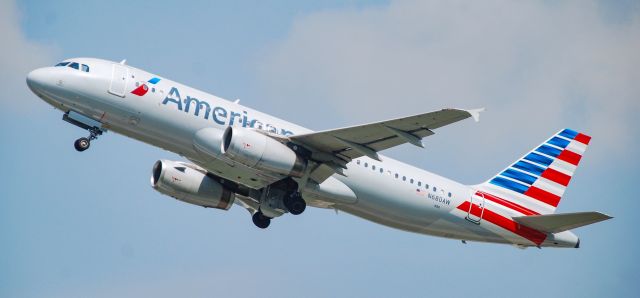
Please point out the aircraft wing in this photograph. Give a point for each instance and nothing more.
(335, 148)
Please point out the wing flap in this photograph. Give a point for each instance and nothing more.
(362, 140)
(554, 223)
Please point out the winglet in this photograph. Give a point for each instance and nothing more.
(475, 113)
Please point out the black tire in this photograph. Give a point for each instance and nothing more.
(82, 144)
(295, 204)
(260, 220)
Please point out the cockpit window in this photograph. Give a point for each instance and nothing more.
(74, 65)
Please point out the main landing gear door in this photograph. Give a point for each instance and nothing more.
(118, 80)
(476, 208)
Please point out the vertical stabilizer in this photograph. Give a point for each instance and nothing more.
(535, 183)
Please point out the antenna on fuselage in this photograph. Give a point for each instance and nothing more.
(236, 101)
(123, 61)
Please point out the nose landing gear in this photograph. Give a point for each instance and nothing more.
(83, 144)
(84, 122)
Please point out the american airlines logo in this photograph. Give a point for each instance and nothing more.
(142, 88)
(219, 114)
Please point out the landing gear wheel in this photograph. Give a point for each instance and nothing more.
(295, 203)
(260, 220)
(82, 144)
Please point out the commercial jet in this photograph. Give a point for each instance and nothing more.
(272, 167)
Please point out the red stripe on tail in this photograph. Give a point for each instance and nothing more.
(570, 157)
(543, 196)
(530, 234)
(582, 138)
(508, 204)
(557, 177)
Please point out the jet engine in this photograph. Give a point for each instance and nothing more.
(262, 152)
(190, 184)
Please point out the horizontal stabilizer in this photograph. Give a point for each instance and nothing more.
(554, 223)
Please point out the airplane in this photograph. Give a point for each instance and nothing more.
(271, 167)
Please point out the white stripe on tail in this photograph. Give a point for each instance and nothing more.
(537, 181)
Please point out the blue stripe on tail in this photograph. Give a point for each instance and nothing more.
(529, 168)
(508, 184)
(520, 176)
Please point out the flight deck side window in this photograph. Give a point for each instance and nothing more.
(85, 68)
(62, 64)
(74, 65)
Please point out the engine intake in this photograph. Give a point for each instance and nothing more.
(188, 184)
(262, 152)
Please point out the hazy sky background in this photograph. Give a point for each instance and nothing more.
(89, 225)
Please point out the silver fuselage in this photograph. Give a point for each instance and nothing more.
(157, 119)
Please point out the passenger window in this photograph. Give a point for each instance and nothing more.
(419, 183)
(373, 167)
(411, 180)
(381, 170)
(397, 176)
(426, 186)
(85, 68)
(366, 165)
(449, 194)
(434, 188)
(404, 178)
(358, 161)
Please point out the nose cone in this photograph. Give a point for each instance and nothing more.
(40, 79)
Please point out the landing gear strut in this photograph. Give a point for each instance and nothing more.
(83, 122)
(261, 220)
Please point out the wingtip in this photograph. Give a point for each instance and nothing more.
(475, 113)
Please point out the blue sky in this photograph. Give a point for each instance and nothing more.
(78, 225)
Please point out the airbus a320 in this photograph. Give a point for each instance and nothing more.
(271, 167)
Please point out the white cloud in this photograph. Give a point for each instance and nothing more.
(537, 67)
(19, 56)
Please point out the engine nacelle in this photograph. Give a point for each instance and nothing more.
(188, 184)
(259, 151)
